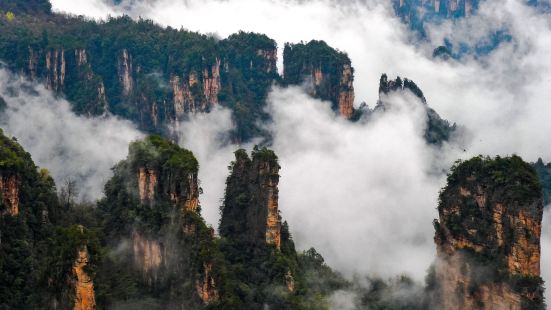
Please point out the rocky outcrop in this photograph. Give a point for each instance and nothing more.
(438, 130)
(290, 281)
(211, 83)
(327, 72)
(182, 193)
(125, 72)
(69, 72)
(206, 285)
(346, 92)
(148, 255)
(170, 246)
(270, 178)
(55, 68)
(84, 286)
(250, 211)
(182, 98)
(186, 100)
(9, 188)
(488, 237)
(156, 183)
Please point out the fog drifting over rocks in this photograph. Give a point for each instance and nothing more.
(71, 147)
(362, 193)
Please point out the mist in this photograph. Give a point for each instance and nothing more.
(71, 147)
(365, 194)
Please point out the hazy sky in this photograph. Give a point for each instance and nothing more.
(363, 194)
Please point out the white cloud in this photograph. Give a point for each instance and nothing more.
(69, 146)
(359, 193)
(207, 136)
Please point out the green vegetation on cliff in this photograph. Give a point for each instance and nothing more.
(321, 67)
(512, 177)
(490, 216)
(134, 68)
(36, 250)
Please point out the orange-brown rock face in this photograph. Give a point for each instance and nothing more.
(147, 184)
(211, 83)
(55, 68)
(290, 281)
(9, 187)
(488, 239)
(125, 72)
(326, 71)
(192, 194)
(455, 288)
(257, 180)
(84, 289)
(148, 254)
(206, 286)
(182, 98)
(269, 186)
(346, 93)
(317, 78)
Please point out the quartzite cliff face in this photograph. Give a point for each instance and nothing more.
(9, 187)
(488, 237)
(84, 285)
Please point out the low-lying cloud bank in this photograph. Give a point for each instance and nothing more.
(71, 147)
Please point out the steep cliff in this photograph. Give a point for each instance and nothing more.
(488, 237)
(438, 130)
(40, 262)
(250, 210)
(85, 298)
(153, 222)
(9, 187)
(327, 73)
